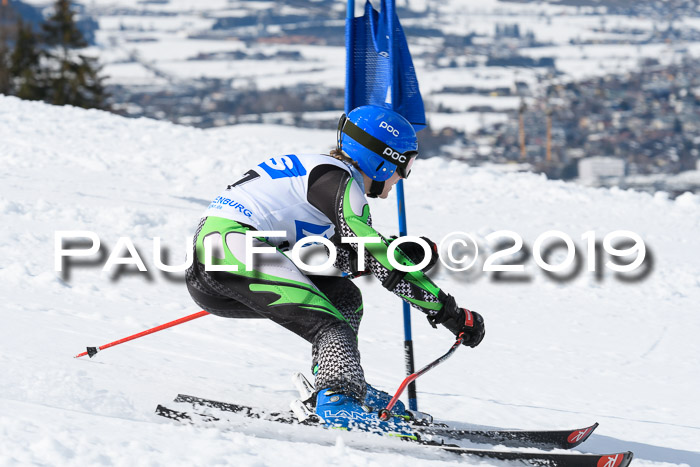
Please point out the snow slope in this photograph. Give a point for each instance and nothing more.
(556, 354)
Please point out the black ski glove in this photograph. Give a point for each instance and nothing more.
(459, 320)
(416, 253)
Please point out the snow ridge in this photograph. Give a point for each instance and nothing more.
(556, 353)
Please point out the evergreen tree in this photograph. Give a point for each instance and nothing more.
(6, 37)
(5, 77)
(25, 65)
(61, 31)
(82, 86)
(74, 79)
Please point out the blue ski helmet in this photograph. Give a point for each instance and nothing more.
(380, 140)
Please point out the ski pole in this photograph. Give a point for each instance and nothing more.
(91, 351)
(385, 413)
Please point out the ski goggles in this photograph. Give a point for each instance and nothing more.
(402, 160)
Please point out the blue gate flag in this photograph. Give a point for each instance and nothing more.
(379, 66)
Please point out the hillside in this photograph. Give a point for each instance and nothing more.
(556, 354)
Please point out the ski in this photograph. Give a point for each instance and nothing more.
(543, 439)
(548, 459)
(620, 459)
(246, 411)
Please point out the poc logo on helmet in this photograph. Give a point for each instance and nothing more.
(394, 155)
(389, 128)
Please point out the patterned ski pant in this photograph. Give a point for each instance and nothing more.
(324, 310)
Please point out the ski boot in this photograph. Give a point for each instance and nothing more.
(342, 411)
(376, 399)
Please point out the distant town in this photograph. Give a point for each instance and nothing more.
(614, 130)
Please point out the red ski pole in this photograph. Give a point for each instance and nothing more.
(385, 413)
(91, 351)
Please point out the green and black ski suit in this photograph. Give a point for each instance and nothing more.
(301, 195)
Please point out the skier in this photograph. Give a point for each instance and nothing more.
(305, 195)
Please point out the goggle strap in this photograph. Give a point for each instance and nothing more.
(374, 144)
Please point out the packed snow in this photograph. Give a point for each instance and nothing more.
(557, 354)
